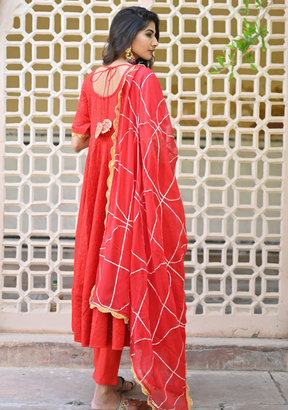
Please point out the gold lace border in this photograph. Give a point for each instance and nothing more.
(114, 139)
(146, 392)
(74, 134)
(106, 310)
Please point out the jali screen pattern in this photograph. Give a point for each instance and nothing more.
(229, 135)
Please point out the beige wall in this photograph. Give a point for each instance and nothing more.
(232, 156)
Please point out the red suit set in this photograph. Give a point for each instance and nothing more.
(131, 240)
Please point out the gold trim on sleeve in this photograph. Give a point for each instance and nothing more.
(74, 134)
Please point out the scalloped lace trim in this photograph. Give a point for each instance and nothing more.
(146, 392)
(114, 139)
(105, 310)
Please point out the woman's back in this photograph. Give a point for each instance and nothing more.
(98, 100)
(106, 79)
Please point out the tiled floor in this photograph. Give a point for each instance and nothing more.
(72, 389)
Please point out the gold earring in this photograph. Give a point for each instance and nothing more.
(129, 55)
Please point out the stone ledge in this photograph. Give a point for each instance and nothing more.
(52, 350)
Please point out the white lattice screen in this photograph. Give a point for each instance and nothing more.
(231, 168)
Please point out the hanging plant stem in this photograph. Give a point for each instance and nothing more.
(252, 32)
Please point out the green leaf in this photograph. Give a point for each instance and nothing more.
(220, 59)
(263, 43)
(246, 35)
(250, 32)
(239, 44)
(249, 58)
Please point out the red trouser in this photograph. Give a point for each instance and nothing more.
(106, 363)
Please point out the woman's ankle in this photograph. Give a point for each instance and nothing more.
(103, 389)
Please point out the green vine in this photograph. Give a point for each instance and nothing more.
(252, 33)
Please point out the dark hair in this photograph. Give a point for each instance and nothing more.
(124, 28)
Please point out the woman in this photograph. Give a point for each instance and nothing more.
(131, 237)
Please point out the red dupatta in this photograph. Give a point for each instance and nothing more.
(140, 275)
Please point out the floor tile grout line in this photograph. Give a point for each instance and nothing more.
(278, 388)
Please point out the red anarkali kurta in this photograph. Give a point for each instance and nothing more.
(90, 327)
(137, 260)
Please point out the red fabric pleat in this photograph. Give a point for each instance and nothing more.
(99, 331)
(118, 334)
(108, 330)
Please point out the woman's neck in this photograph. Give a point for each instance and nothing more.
(119, 61)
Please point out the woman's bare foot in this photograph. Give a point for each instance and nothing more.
(128, 385)
(106, 398)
